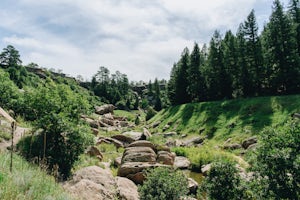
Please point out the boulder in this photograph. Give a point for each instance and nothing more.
(95, 131)
(135, 135)
(169, 134)
(113, 141)
(181, 162)
(118, 161)
(134, 170)
(107, 108)
(124, 139)
(126, 190)
(139, 154)
(205, 169)
(92, 183)
(94, 151)
(108, 116)
(143, 143)
(165, 157)
(246, 143)
(232, 146)
(92, 123)
(146, 133)
(156, 124)
(193, 186)
(193, 141)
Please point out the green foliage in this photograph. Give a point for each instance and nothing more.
(163, 184)
(8, 90)
(27, 181)
(222, 183)
(150, 113)
(60, 143)
(278, 162)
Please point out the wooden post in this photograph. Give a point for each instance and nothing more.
(13, 128)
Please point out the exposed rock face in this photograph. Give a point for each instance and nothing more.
(94, 151)
(248, 142)
(193, 186)
(92, 183)
(205, 169)
(181, 162)
(193, 141)
(127, 190)
(108, 140)
(141, 155)
(165, 157)
(97, 183)
(133, 170)
(135, 135)
(232, 146)
(107, 108)
(126, 140)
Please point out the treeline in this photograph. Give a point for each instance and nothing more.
(244, 64)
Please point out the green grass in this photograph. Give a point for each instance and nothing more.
(220, 120)
(27, 182)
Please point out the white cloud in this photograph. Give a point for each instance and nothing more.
(140, 38)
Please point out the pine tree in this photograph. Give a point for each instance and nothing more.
(294, 10)
(171, 85)
(283, 54)
(254, 59)
(196, 86)
(181, 79)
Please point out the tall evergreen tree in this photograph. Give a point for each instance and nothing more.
(254, 59)
(181, 79)
(294, 10)
(284, 57)
(218, 80)
(245, 79)
(230, 55)
(196, 87)
(171, 85)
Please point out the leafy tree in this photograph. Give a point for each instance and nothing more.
(9, 92)
(277, 163)
(163, 184)
(223, 183)
(10, 57)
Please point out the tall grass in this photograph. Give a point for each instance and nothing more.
(27, 182)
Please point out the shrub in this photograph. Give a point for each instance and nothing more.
(64, 141)
(179, 151)
(222, 183)
(163, 184)
(150, 113)
(277, 163)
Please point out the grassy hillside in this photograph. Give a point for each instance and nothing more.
(232, 118)
(220, 120)
(27, 181)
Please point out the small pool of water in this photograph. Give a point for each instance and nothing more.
(198, 177)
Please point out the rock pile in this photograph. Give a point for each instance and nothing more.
(142, 155)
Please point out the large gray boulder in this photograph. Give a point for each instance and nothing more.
(135, 170)
(92, 183)
(107, 108)
(248, 142)
(143, 143)
(181, 162)
(165, 157)
(127, 190)
(135, 135)
(139, 154)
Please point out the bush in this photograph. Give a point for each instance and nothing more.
(222, 183)
(163, 184)
(277, 163)
(64, 141)
(150, 113)
(179, 151)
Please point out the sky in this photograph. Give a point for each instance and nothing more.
(140, 38)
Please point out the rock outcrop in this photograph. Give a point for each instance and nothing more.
(142, 155)
(181, 162)
(104, 109)
(248, 142)
(96, 183)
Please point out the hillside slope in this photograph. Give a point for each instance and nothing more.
(221, 120)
